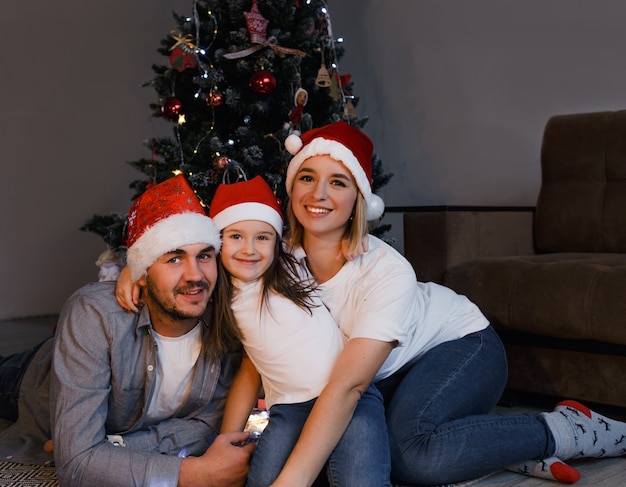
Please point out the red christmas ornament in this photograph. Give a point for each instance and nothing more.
(263, 82)
(172, 108)
(180, 59)
(215, 98)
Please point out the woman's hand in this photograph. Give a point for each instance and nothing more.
(127, 292)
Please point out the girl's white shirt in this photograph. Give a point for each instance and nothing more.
(293, 350)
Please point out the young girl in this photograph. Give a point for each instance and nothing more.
(431, 352)
(290, 339)
(291, 343)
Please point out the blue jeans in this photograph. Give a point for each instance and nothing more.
(12, 370)
(360, 458)
(437, 408)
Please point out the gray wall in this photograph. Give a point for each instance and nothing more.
(457, 93)
(72, 112)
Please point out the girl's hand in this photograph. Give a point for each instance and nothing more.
(351, 255)
(127, 292)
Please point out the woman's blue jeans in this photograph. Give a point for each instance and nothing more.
(360, 459)
(437, 415)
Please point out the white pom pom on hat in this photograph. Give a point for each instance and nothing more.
(344, 143)
(293, 143)
(246, 200)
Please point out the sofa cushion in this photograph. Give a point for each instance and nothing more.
(564, 295)
(581, 203)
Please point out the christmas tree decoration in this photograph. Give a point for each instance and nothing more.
(300, 99)
(263, 82)
(323, 76)
(215, 98)
(349, 111)
(181, 60)
(231, 112)
(172, 109)
(183, 54)
(221, 163)
(256, 24)
(257, 29)
(335, 88)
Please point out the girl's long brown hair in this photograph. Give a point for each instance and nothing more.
(281, 277)
(220, 336)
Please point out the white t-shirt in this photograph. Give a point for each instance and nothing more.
(292, 350)
(176, 357)
(377, 296)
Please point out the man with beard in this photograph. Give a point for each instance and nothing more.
(137, 399)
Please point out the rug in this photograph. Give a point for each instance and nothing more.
(18, 475)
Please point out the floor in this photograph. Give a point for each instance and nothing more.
(609, 472)
(18, 334)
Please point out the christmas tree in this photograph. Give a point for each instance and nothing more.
(240, 76)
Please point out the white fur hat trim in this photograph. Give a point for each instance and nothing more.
(170, 234)
(249, 211)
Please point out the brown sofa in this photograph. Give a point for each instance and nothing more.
(552, 279)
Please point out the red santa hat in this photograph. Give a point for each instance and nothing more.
(166, 217)
(344, 143)
(246, 200)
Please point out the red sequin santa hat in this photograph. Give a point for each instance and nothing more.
(246, 200)
(163, 218)
(344, 143)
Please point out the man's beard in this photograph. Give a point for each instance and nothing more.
(168, 307)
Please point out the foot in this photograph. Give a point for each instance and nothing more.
(595, 435)
(550, 469)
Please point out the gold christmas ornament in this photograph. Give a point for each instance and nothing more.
(323, 78)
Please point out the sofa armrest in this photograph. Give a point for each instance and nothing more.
(436, 239)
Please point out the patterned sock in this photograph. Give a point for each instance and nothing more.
(580, 432)
(550, 469)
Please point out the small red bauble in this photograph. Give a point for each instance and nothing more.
(263, 82)
(215, 98)
(172, 108)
